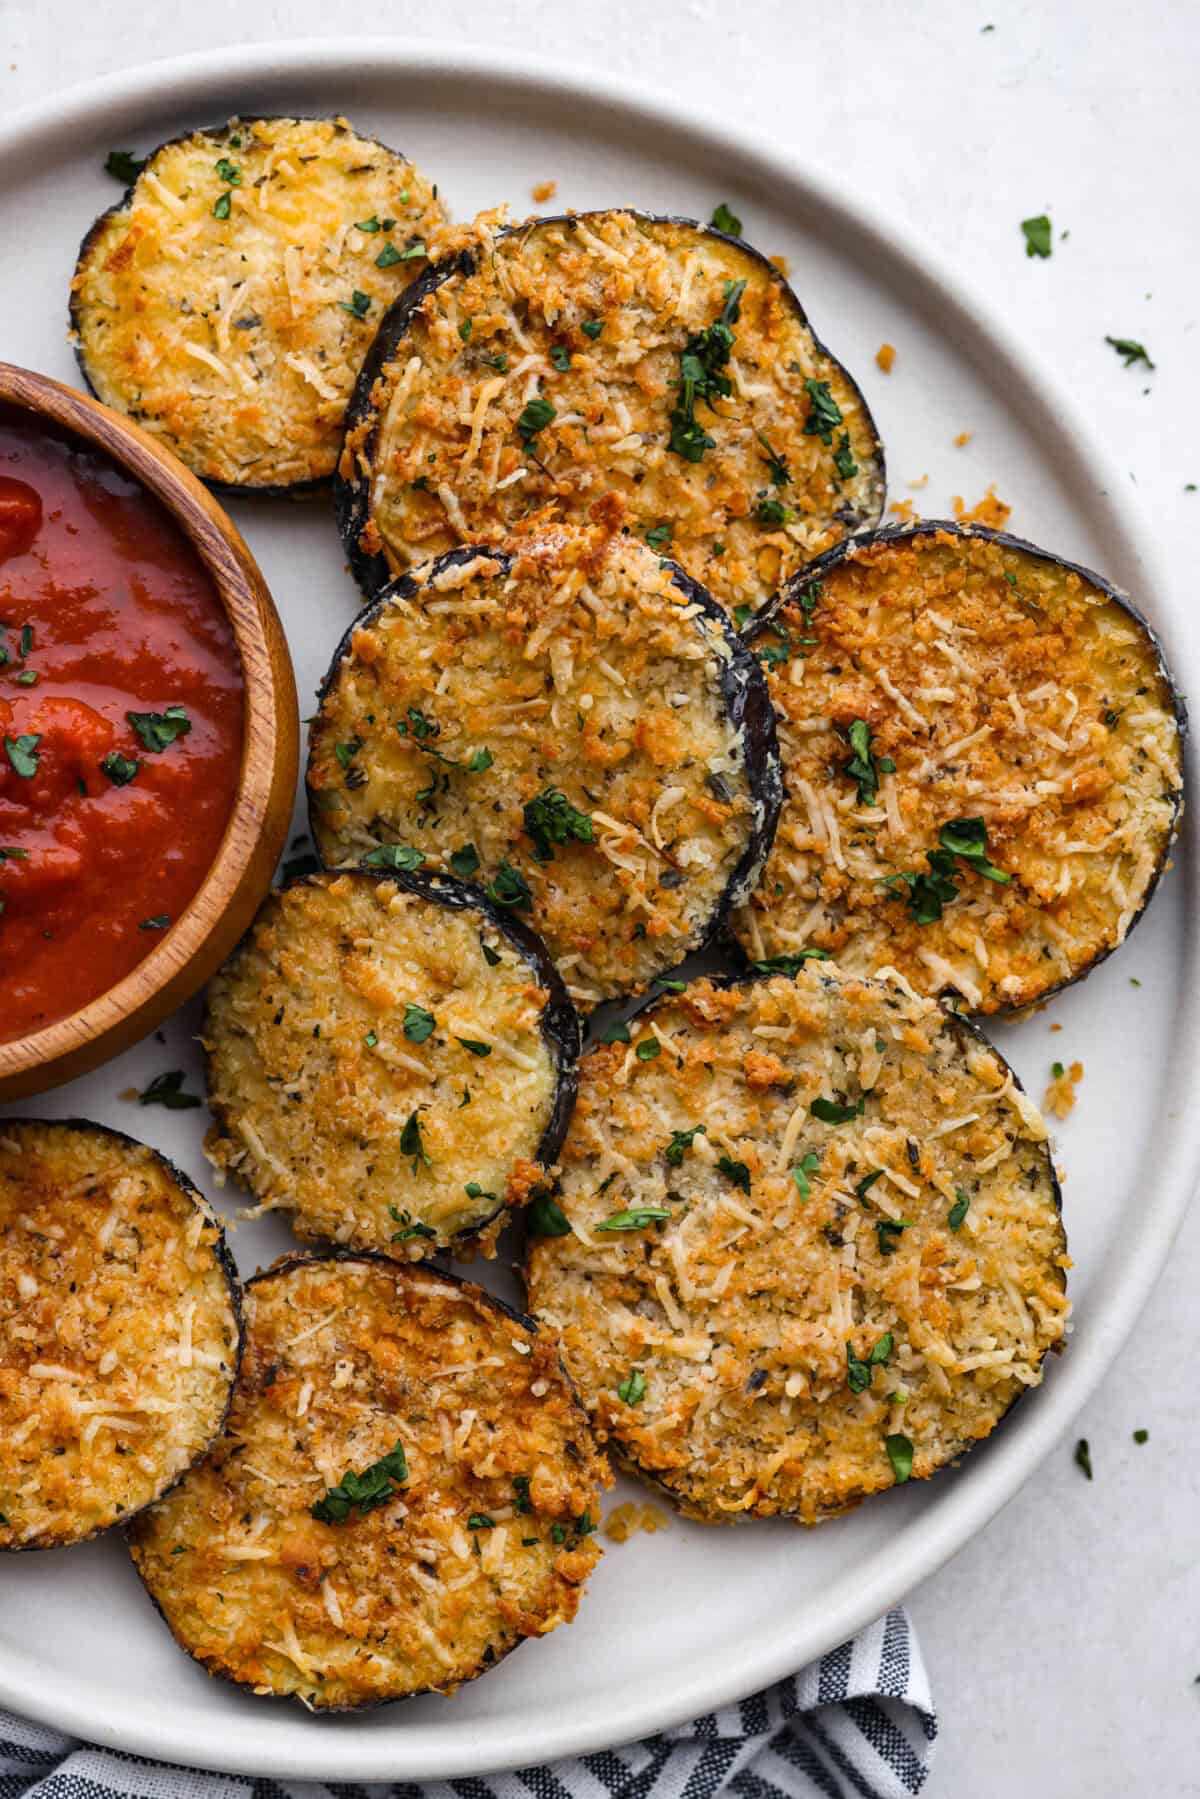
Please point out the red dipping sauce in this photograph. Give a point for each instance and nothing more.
(108, 824)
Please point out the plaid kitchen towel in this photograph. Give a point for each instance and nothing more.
(858, 1724)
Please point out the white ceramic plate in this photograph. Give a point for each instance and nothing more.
(677, 1623)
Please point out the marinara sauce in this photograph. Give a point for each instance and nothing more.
(120, 724)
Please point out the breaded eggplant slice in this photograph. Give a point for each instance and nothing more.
(572, 723)
(227, 301)
(983, 757)
(810, 1244)
(391, 1061)
(406, 1490)
(608, 351)
(120, 1329)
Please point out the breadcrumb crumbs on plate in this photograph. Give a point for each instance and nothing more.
(904, 510)
(624, 1521)
(1060, 1094)
(916, 486)
(885, 357)
(963, 439)
(544, 190)
(990, 511)
(782, 264)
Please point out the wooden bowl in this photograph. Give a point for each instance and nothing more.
(227, 899)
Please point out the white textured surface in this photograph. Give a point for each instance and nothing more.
(1064, 1641)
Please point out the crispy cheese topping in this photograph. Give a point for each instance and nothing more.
(604, 325)
(818, 1285)
(485, 1538)
(228, 301)
(560, 728)
(378, 1066)
(118, 1330)
(1005, 691)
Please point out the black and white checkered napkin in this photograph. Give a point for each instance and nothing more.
(858, 1724)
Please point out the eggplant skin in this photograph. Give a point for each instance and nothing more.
(352, 486)
(290, 1263)
(744, 696)
(560, 1026)
(90, 246)
(854, 548)
(233, 1287)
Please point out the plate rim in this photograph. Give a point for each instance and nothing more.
(410, 1751)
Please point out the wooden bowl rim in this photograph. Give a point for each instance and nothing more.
(241, 589)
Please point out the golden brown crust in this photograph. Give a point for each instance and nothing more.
(353, 1008)
(775, 1194)
(578, 668)
(1005, 687)
(485, 1541)
(443, 446)
(119, 1331)
(223, 314)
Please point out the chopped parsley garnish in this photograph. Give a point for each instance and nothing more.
(960, 1208)
(359, 304)
(773, 512)
(158, 730)
(124, 166)
(389, 256)
(159, 922)
(521, 1500)
(843, 458)
(632, 1389)
(681, 1142)
(1057, 1070)
(372, 225)
(889, 1232)
(374, 1487)
(371, 1040)
(412, 1144)
(1141, 1436)
(1037, 235)
(560, 356)
(704, 356)
(418, 1023)
(659, 536)
(900, 1455)
(23, 753)
(465, 328)
(723, 219)
(823, 413)
(167, 1090)
(663, 985)
(616, 1032)
(221, 205)
(473, 1045)
(346, 752)
(592, 328)
(408, 1228)
(1083, 1457)
(829, 1111)
(474, 1191)
(790, 964)
(393, 855)
(781, 474)
(864, 767)
(509, 888)
(863, 1187)
(10, 853)
(929, 893)
(859, 1373)
(806, 1166)
(551, 818)
(648, 1049)
(635, 1220)
(26, 640)
(737, 1172)
(547, 1218)
(119, 769)
(480, 1521)
(228, 171)
(1130, 351)
(536, 415)
(464, 862)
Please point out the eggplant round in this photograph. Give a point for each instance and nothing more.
(982, 749)
(807, 1245)
(573, 723)
(656, 358)
(406, 1491)
(391, 1061)
(120, 1329)
(226, 302)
